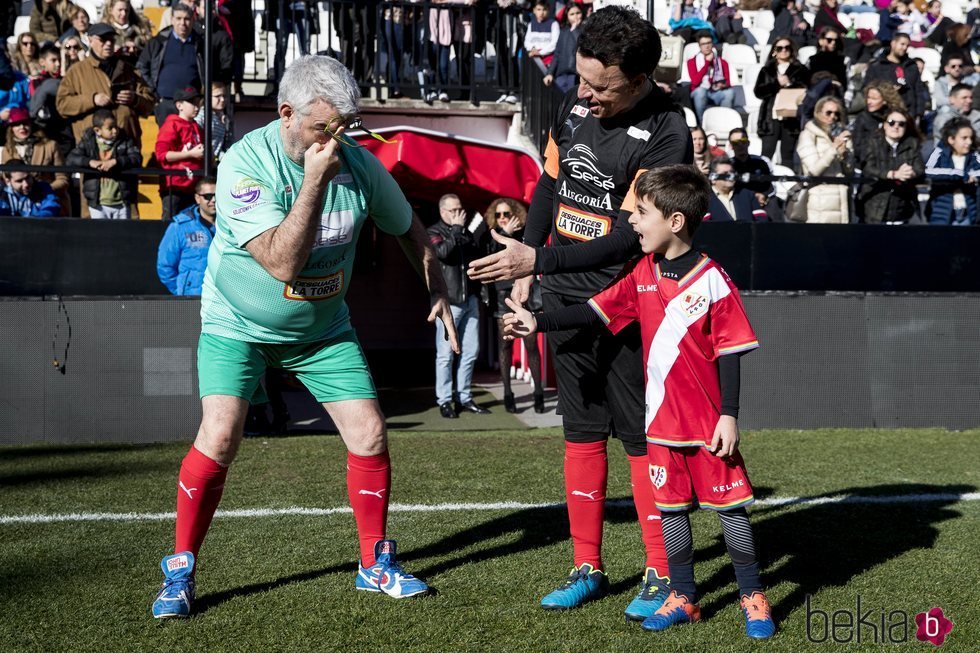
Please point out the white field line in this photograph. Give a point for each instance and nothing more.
(38, 518)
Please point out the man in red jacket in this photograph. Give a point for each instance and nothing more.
(711, 83)
(180, 146)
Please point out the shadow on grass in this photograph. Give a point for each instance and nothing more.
(207, 601)
(827, 545)
(35, 476)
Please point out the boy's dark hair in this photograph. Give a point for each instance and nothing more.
(737, 130)
(953, 126)
(543, 3)
(101, 115)
(618, 36)
(680, 188)
(201, 181)
(960, 87)
(14, 162)
(49, 48)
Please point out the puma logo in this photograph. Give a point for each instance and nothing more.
(590, 496)
(187, 490)
(373, 494)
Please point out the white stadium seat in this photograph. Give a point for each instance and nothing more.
(748, 84)
(932, 58)
(868, 20)
(690, 118)
(739, 57)
(765, 20)
(719, 121)
(805, 53)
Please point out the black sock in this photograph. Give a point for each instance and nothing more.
(679, 546)
(741, 547)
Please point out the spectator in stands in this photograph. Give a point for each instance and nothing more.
(455, 245)
(79, 27)
(897, 68)
(751, 165)
(391, 41)
(49, 63)
(686, 19)
(73, 50)
(541, 37)
(726, 203)
(711, 81)
(24, 56)
(222, 49)
(508, 217)
(16, 95)
(789, 21)
(103, 80)
(825, 150)
(9, 11)
(51, 18)
(296, 22)
(561, 70)
(504, 27)
(960, 106)
(109, 150)
(454, 26)
(953, 170)
(961, 42)
(180, 147)
(173, 60)
(241, 26)
(24, 144)
(781, 71)
(727, 21)
(938, 24)
(702, 152)
(828, 56)
(880, 99)
(222, 131)
(44, 93)
(953, 68)
(128, 23)
(893, 159)
(826, 16)
(24, 197)
(183, 253)
(822, 84)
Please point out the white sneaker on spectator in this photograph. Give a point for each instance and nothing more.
(430, 97)
(502, 99)
(444, 97)
(511, 99)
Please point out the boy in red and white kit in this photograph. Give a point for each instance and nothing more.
(180, 146)
(694, 329)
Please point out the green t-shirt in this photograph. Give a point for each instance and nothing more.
(257, 185)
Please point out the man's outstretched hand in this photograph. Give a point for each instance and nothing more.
(442, 311)
(516, 260)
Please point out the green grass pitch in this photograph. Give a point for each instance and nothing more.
(285, 583)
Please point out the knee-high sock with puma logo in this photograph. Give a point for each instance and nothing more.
(368, 487)
(585, 493)
(648, 514)
(199, 487)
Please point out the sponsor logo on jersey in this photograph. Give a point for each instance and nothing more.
(288, 189)
(343, 178)
(581, 225)
(694, 305)
(658, 476)
(178, 563)
(640, 287)
(604, 202)
(638, 133)
(336, 228)
(584, 164)
(315, 289)
(580, 111)
(247, 191)
(718, 489)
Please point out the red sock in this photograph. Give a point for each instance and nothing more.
(199, 489)
(585, 493)
(648, 514)
(368, 486)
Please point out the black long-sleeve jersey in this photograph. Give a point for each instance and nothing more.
(585, 195)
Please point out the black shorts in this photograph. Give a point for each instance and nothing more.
(600, 381)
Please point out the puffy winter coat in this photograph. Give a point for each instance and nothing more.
(183, 253)
(826, 203)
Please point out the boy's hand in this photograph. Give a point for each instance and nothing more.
(724, 443)
(520, 323)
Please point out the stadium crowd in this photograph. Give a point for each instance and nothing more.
(888, 91)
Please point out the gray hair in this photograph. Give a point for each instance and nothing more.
(315, 77)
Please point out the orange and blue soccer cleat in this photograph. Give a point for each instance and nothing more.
(676, 610)
(758, 616)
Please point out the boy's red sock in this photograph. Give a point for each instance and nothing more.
(648, 514)
(199, 487)
(368, 486)
(585, 492)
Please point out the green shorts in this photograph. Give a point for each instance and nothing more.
(333, 370)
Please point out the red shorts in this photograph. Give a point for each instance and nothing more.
(682, 474)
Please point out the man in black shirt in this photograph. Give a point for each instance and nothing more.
(614, 127)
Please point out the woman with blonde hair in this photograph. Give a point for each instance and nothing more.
(825, 150)
(23, 55)
(128, 23)
(508, 217)
(880, 99)
(73, 50)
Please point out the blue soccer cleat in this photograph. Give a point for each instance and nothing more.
(652, 595)
(758, 616)
(676, 610)
(387, 576)
(584, 584)
(177, 593)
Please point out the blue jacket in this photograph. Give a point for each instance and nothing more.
(19, 95)
(946, 181)
(747, 208)
(41, 203)
(183, 253)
